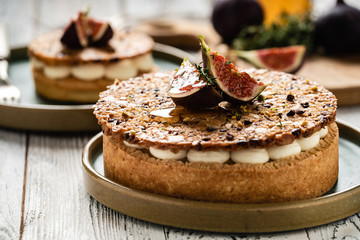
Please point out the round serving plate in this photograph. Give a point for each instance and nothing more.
(36, 113)
(341, 201)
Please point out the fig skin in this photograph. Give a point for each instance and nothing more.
(202, 95)
(206, 97)
(338, 31)
(108, 34)
(70, 37)
(229, 17)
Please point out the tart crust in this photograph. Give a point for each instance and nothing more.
(301, 176)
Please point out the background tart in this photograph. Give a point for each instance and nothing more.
(78, 75)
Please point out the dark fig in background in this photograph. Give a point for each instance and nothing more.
(229, 17)
(338, 31)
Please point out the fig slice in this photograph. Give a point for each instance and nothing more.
(284, 59)
(234, 86)
(191, 87)
(75, 34)
(101, 32)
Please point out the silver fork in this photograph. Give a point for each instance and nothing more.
(9, 94)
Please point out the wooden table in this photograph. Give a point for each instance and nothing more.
(42, 195)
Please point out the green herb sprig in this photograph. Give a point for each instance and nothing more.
(288, 30)
(205, 73)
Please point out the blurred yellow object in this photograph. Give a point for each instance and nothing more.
(274, 8)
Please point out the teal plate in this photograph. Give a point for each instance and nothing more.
(340, 202)
(36, 113)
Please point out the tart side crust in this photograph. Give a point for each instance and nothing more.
(302, 176)
(69, 88)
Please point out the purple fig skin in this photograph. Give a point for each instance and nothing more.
(229, 17)
(206, 97)
(338, 31)
(191, 91)
(103, 41)
(70, 37)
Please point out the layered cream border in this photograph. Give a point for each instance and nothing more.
(251, 155)
(123, 69)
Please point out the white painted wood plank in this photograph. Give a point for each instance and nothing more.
(12, 162)
(348, 228)
(57, 205)
(109, 224)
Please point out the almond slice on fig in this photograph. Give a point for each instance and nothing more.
(235, 86)
(191, 88)
(284, 59)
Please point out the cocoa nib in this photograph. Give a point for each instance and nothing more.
(305, 105)
(291, 113)
(290, 97)
(296, 132)
(229, 136)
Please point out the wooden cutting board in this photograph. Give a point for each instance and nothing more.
(340, 75)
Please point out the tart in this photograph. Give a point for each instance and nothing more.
(280, 146)
(71, 66)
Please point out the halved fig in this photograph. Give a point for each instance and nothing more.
(285, 59)
(75, 34)
(234, 86)
(101, 32)
(191, 87)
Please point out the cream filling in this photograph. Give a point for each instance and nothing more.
(309, 142)
(277, 152)
(121, 70)
(133, 145)
(36, 63)
(208, 156)
(88, 72)
(144, 62)
(56, 72)
(252, 155)
(241, 156)
(167, 154)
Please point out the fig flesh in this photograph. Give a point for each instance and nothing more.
(75, 34)
(338, 31)
(190, 88)
(101, 32)
(229, 17)
(235, 86)
(285, 59)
